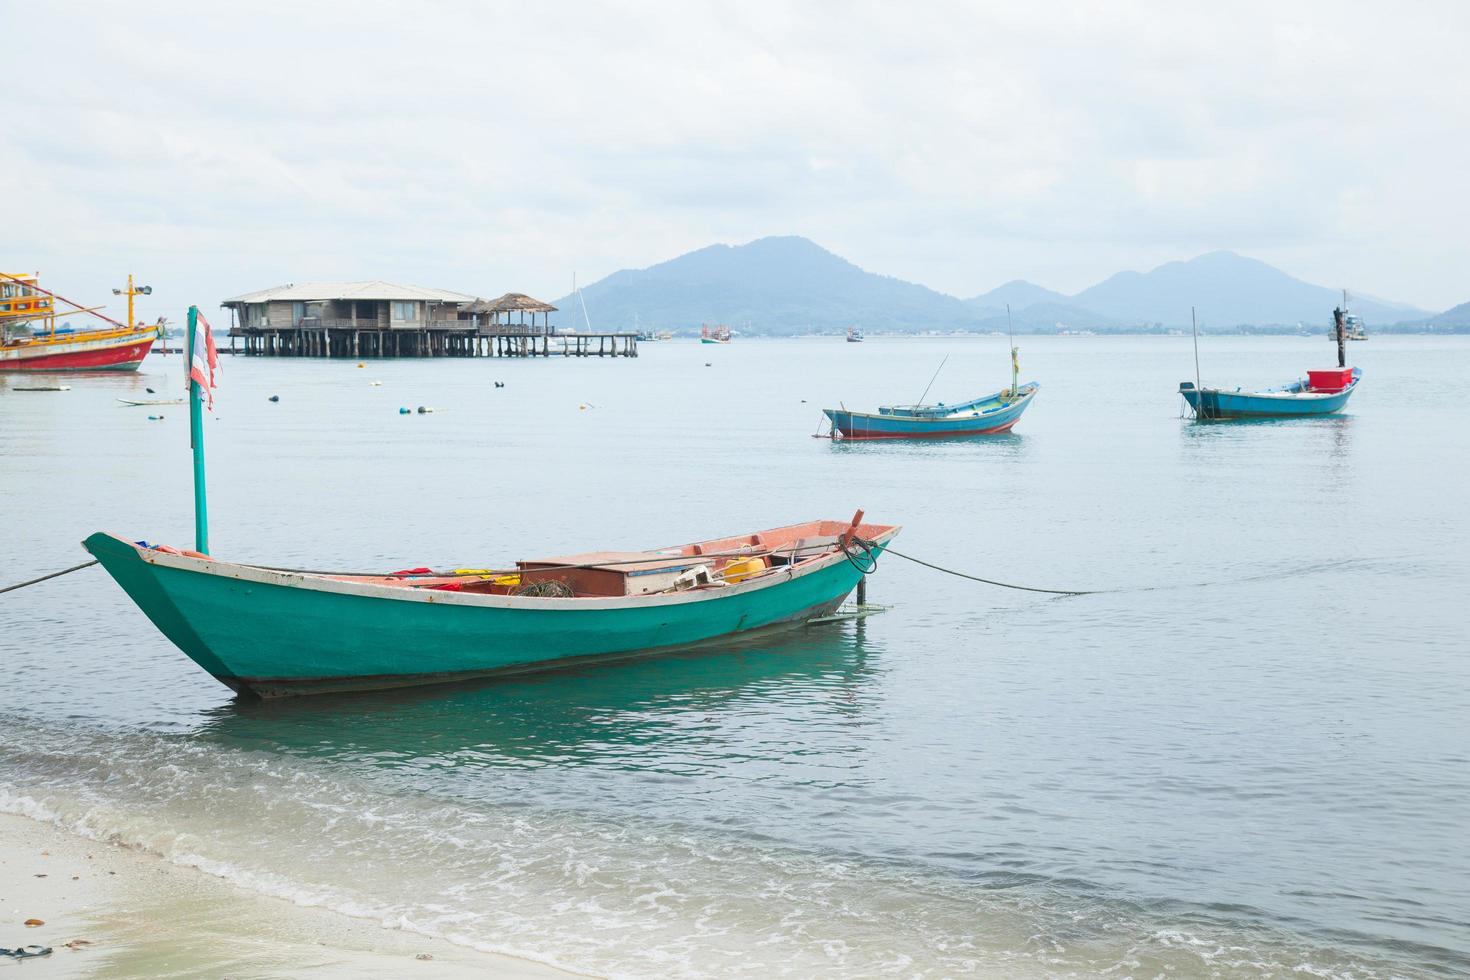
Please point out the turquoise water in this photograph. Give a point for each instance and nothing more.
(1252, 757)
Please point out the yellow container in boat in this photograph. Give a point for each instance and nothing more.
(743, 568)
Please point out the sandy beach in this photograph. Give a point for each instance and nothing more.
(130, 914)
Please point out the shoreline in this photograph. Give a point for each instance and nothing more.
(133, 914)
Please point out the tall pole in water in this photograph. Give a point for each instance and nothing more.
(1199, 389)
(196, 441)
(1338, 322)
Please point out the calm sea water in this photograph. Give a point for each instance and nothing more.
(1251, 758)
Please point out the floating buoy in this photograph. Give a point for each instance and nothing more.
(154, 418)
(403, 410)
(150, 391)
(423, 410)
(374, 384)
(360, 364)
(500, 384)
(275, 398)
(706, 364)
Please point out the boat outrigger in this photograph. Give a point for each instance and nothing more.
(115, 347)
(1323, 392)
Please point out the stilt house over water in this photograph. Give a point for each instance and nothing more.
(384, 319)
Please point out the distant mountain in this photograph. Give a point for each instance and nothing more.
(781, 285)
(1227, 290)
(1454, 320)
(1018, 293)
(1457, 317)
(790, 285)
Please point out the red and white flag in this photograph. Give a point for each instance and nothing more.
(203, 358)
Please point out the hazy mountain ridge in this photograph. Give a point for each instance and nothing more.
(790, 285)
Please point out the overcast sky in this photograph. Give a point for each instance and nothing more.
(494, 147)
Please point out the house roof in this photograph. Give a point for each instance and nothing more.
(375, 289)
(512, 303)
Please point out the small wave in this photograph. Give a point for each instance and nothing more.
(613, 896)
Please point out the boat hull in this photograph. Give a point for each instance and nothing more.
(1224, 405)
(880, 425)
(123, 353)
(275, 634)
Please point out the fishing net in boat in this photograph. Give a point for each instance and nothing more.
(546, 588)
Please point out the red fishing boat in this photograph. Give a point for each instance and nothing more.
(30, 340)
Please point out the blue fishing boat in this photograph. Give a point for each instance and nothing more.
(1322, 392)
(987, 415)
(1295, 400)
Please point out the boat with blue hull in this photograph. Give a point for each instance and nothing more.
(984, 416)
(273, 633)
(989, 415)
(1296, 400)
(1323, 391)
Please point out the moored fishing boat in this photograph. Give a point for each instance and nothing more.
(116, 347)
(1324, 391)
(990, 415)
(718, 334)
(1320, 393)
(854, 335)
(987, 415)
(272, 633)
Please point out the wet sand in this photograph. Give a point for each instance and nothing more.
(132, 914)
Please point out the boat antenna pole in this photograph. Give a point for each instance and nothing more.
(932, 380)
(196, 441)
(1199, 389)
(1015, 363)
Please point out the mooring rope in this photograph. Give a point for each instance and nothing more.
(990, 581)
(64, 571)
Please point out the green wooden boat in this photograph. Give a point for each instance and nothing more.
(271, 632)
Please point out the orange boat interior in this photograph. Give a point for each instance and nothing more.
(710, 564)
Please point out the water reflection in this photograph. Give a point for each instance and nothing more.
(1004, 445)
(647, 707)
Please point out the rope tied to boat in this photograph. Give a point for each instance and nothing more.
(34, 581)
(991, 581)
(861, 553)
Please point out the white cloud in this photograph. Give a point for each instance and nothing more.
(495, 147)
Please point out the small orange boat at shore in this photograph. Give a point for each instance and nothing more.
(42, 346)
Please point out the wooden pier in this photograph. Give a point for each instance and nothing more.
(379, 319)
(453, 340)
